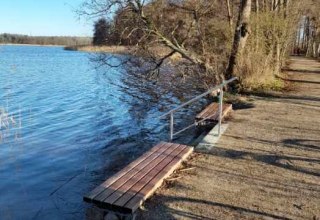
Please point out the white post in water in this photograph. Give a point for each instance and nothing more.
(220, 109)
(171, 126)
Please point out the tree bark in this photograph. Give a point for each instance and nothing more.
(240, 37)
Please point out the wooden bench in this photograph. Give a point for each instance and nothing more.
(124, 192)
(211, 113)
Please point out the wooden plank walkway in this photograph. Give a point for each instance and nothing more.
(129, 188)
(211, 112)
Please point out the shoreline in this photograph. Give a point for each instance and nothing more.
(158, 51)
(102, 49)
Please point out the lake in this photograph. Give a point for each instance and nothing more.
(68, 123)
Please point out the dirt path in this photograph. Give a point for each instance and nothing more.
(266, 166)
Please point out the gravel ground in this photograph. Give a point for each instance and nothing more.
(266, 165)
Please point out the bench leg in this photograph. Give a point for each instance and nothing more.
(96, 213)
(126, 217)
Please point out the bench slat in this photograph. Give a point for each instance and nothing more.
(212, 112)
(169, 154)
(118, 175)
(147, 190)
(208, 110)
(126, 191)
(167, 148)
(147, 178)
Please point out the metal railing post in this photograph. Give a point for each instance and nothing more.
(220, 109)
(171, 126)
(172, 111)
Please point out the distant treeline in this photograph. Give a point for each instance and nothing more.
(43, 40)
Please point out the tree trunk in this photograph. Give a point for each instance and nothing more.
(257, 6)
(280, 5)
(272, 6)
(286, 6)
(257, 26)
(277, 64)
(299, 37)
(314, 50)
(240, 37)
(230, 15)
(305, 34)
(263, 6)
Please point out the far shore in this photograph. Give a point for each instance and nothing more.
(37, 45)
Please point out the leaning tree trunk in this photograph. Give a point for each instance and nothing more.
(240, 37)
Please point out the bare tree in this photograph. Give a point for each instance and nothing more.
(198, 33)
(181, 27)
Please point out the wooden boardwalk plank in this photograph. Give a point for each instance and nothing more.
(147, 178)
(118, 175)
(99, 199)
(171, 153)
(156, 182)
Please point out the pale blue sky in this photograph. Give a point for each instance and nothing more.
(43, 17)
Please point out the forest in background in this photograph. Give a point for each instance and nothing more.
(217, 39)
(43, 40)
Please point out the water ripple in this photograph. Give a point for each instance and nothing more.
(75, 124)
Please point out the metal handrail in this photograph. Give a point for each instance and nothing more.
(171, 112)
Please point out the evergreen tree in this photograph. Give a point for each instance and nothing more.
(101, 32)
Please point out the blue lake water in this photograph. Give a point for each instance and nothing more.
(70, 123)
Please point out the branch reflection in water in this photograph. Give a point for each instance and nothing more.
(148, 94)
